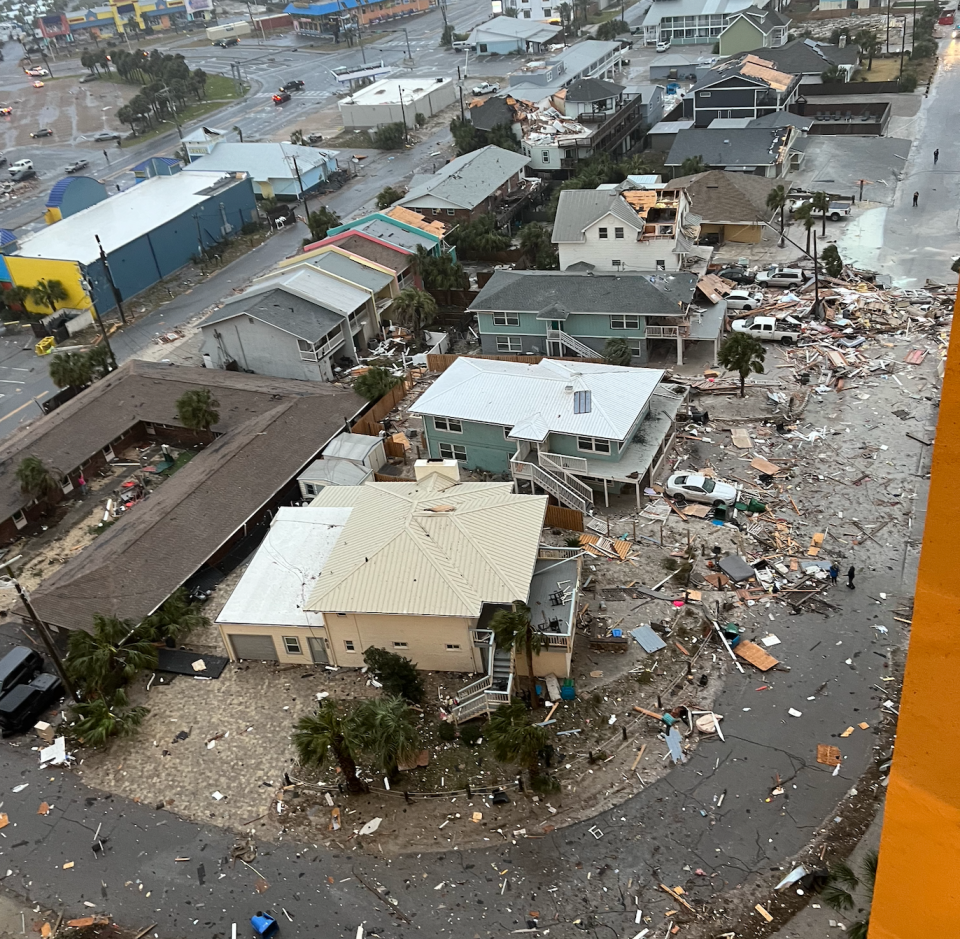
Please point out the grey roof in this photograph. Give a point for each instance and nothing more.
(301, 318)
(766, 20)
(580, 208)
(469, 179)
(659, 11)
(593, 89)
(362, 274)
(782, 119)
(751, 146)
(508, 27)
(492, 112)
(731, 69)
(653, 294)
(807, 56)
(583, 54)
(725, 198)
(394, 235)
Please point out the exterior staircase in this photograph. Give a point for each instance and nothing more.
(564, 486)
(489, 692)
(573, 344)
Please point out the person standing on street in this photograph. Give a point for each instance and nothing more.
(850, 575)
(936, 156)
(834, 573)
(916, 199)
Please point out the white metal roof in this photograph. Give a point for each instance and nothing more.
(390, 90)
(435, 547)
(123, 217)
(538, 399)
(264, 161)
(335, 471)
(351, 446)
(274, 588)
(659, 11)
(310, 283)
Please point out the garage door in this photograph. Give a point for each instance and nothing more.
(254, 647)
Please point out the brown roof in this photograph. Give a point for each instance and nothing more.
(416, 220)
(720, 198)
(272, 428)
(396, 259)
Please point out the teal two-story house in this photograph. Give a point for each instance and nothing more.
(574, 313)
(571, 429)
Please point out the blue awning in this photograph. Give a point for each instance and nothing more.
(320, 9)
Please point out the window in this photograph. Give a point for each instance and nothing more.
(506, 319)
(624, 322)
(452, 645)
(661, 265)
(546, 12)
(291, 645)
(349, 646)
(593, 444)
(509, 344)
(582, 403)
(635, 347)
(526, 14)
(451, 211)
(602, 232)
(706, 94)
(618, 233)
(448, 424)
(453, 451)
(310, 489)
(436, 211)
(19, 519)
(545, 156)
(400, 645)
(506, 432)
(617, 263)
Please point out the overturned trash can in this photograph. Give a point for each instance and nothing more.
(264, 925)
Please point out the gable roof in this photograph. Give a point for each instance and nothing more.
(657, 11)
(487, 114)
(593, 89)
(430, 548)
(352, 270)
(507, 27)
(540, 396)
(466, 181)
(310, 283)
(753, 69)
(728, 198)
(271, 428)
(765, 20)
(398, 259)
(719, 147)
(644, 294)
(578, 209)
(807, 56)
(384, 229)
(305, 319)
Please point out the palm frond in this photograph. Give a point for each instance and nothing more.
(842, 873)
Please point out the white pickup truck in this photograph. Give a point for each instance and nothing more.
(766, 327)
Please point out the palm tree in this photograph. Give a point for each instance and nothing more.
(838, 894)
(14, 298)
(387, 196)
(512, 629)
(35, 478)
(70, 370)
(239, 131)
(617, 352)
(330, 732)
(175, 618)
(375, 382)
(320, 221)
(744, 354)
(821, 203)
(415, 309)
(533, 237)
(96, 721)
(693, 165)
(804, 213)
(869, 44)
(104, 660)
(197, 409)
(833, 75)
(387, 732)
(777, 201)
(514, 738)
(49, 293)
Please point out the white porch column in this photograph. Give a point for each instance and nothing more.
(679, 349)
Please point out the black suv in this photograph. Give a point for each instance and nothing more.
(296, 85)
(226, 43)
(281, 97)
(21, 707)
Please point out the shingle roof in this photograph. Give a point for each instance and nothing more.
(367, 246)
(782, 119)
(305, 319)
(354, 271)
(431, 548)
(593, 89)
(807, 56)
(757, 68)
(394, 234)
(513, 394)
(728, 198)
(490, 113)
(271, 428)
(576, 292)
(469, 179)
(750, 146)
(580, 208)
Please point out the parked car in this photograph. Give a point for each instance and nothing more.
(37, 72)
(18, 176)
(21, 165)
(696, 488)
(782, 277)
(226, 43)
(739, 275)
(22, 707)
(76, 166)
(38, 84)
(17, 667)
(663, 46)
(92, 77)
(766, 327)
(6, 111)
(313, 139)
(295, 85)
(42, 132)
(460, 45)
(102, 136)
(744, 299)
(485, 88)
(280, 97)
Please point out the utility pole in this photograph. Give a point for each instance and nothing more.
(253, 23)
(903, 45)
(113, 283)
(85, 281)
(406, 36)
(296, 170)
(41, 627)
(816, 279)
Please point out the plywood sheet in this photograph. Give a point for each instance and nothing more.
(752, 653)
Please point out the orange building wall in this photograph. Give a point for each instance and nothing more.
(917, 893)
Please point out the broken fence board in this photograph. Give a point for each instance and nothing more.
(752, 653)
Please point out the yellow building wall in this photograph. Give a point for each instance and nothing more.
(427, 639)
(27, 272)
(52, 214)
(276, 633)
(549, 662)
(743, 234)
(920, 847)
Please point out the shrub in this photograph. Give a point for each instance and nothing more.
(446, 731)
(908, 81)
(398, 675)
(390, 136)
(470, 734)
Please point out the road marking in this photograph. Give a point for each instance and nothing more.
(11, 381)
(22, 406)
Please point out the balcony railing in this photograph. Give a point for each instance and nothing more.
(570, 464)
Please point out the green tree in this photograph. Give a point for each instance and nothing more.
(617, 352)
(398, 675)
(480, 238)
(439, 273)
(515, 739)
(465, 136)
(414, 309)
(36, 478)
(446, 38)
(869, 44)
(843, 881)
(331, 732)
(296, 138)
(832, 261)
(176, 618)
(387, 196)
(693, 165)
(98, 358)
(419, 119)
(101, 662)
(49, 293)
(390, 136)
(804, 214)
(320, 221)
(821, 204)
(70, 370)
(611, 29)
(197, 409)
(777, 200)
(388, 733)
(908, 81)
(500, 135)
(533, 239)
(833, 75)
(375, 382)
(743, 354)
(14, 298)
(96, 721)
(513, 629)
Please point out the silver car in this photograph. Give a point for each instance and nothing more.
(696, 488)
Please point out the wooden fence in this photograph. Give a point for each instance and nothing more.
(559, 517)
(848, 88)
(378, 478)
(440, 363)
(369, 422)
